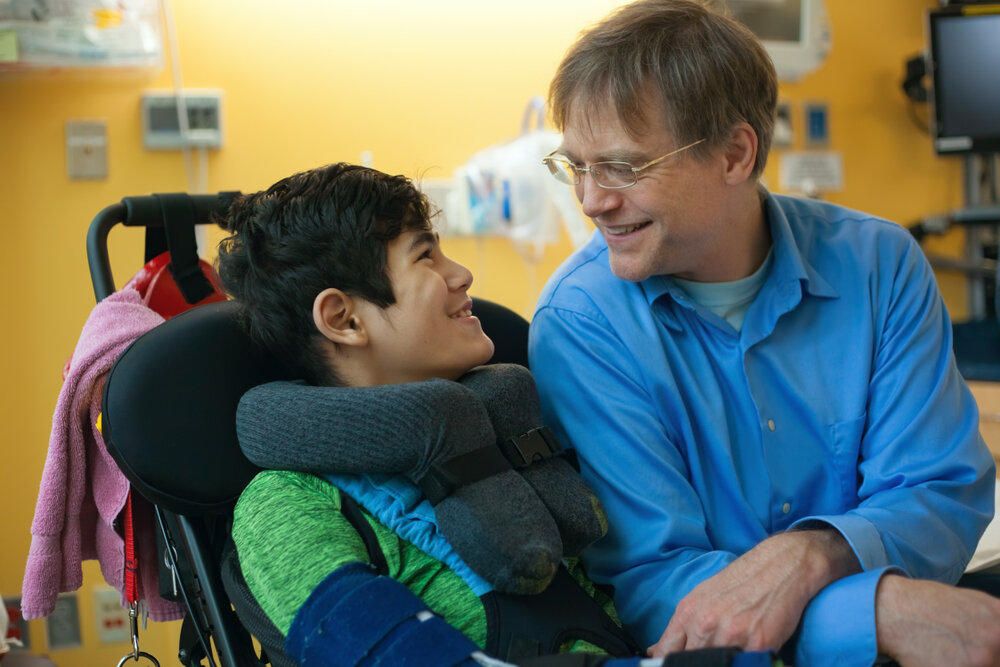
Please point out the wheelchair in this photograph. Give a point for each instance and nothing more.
(168, 416)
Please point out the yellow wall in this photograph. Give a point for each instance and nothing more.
(422, 85)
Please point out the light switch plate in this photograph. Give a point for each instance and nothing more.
(87, 149)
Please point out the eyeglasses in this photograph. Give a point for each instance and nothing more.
(610, 175)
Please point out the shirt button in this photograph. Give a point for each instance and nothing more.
(786, 508)
(770, 424)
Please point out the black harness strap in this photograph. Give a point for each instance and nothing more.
(178, 226)
(349, 508)
(443, 478)
(517, 452)
(525, 626)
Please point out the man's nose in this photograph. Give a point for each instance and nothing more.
(596, 200)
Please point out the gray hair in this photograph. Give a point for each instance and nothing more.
(707, 71)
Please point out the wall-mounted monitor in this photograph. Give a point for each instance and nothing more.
(796, 33)
(965, 67)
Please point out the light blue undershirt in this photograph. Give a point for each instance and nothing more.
(729, 300)
(837, 403)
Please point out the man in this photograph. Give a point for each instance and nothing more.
(760, 388)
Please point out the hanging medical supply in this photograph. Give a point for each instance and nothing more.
(505, 190)
(79, 34)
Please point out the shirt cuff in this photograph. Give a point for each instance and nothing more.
(838, 626)
(861, 535)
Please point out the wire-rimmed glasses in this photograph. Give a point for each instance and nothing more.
(610, 174)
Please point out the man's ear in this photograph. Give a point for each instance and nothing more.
(740, 153)
(337, 318)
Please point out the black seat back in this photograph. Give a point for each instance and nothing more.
(169, 410)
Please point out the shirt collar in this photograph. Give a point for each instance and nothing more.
(790, 264)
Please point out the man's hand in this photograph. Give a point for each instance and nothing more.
(921, 622)
(757, 601)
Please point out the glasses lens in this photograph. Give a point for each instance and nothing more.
(613, 174)
(563, 170)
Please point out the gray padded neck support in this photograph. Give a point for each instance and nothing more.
(511, 527)
(497, 525)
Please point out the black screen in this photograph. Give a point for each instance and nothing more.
(965, 56)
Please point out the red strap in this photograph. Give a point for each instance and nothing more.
(131, 562)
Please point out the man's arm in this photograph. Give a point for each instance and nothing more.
(924, 623)
(756, 602)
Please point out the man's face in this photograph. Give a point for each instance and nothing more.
(671, 220)
(429, 332)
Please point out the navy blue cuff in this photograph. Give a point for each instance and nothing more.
(354, 614)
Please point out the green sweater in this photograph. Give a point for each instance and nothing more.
(290, 535)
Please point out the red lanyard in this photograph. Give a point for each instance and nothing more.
(132, 587)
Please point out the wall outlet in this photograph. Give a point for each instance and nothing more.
(110, 616)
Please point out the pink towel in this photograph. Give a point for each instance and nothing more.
(82, 490)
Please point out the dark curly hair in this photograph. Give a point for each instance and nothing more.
(326, 227)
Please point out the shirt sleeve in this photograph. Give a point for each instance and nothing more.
(851, 639)
(285, 555)
(658, 546)
(926, 478)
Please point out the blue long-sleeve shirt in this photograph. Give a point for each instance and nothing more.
(838, 403)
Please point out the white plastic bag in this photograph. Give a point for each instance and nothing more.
(505, 190)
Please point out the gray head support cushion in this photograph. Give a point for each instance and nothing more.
(511, 527)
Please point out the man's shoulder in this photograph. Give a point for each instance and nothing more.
(584, 282)
(830, 217)
(821, 227)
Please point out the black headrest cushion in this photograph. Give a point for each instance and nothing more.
(169, 409)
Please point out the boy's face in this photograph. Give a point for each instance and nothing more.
(429, 332)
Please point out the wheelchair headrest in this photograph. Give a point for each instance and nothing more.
(169, 409)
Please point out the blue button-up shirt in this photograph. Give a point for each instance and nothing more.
(837, 404)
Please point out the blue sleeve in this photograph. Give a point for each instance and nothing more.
(838, 627)
(926, 478)
(658, 547)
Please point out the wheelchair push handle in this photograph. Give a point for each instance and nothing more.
(145, 211)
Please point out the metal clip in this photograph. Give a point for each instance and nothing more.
(168, 562)
(141, 654)
(133, 619)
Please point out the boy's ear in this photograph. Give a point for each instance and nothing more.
(337, 318)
